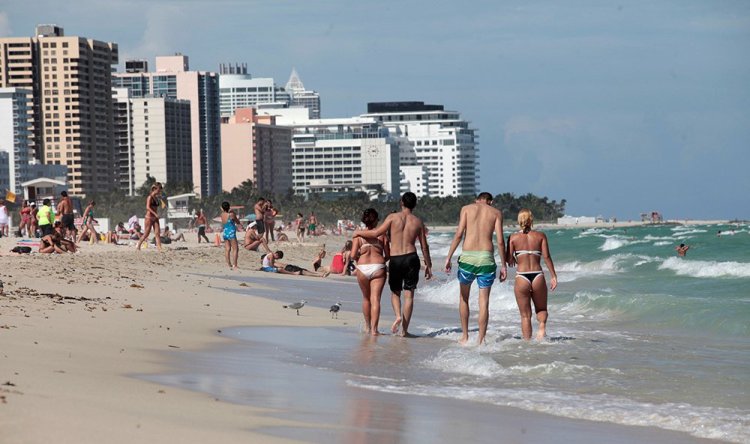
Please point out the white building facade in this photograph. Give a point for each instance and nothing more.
(334, 156)
(244, 91)
(154, 138)
(438, 141)
(15, 130)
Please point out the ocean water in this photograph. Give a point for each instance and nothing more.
(636, 335)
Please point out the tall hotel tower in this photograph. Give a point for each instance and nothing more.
(70, 105)
(438, 141)
(302, 97)
(174, 80)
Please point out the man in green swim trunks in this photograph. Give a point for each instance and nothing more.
(477, 260)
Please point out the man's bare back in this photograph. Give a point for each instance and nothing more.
(405, 230)
(481, 221)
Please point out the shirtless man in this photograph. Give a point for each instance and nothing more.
(403, 271)
(65, 207)
(682, 250)
(260, 211)
(477, 260)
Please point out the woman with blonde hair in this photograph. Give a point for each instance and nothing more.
(153, 201)
(526, 249)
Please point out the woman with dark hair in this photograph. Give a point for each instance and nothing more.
(229, 223)
(370, 255)
(525, 251)
(153, 200)
(25, 227)
(87, 226)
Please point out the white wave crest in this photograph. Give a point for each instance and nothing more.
(465, 361)
(706, 269)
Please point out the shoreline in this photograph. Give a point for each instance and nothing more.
(76, 331)
(605, 225)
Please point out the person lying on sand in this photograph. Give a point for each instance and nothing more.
(271, 265)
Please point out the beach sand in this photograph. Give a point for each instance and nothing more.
(79, 332)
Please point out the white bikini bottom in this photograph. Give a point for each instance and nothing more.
(369, 270)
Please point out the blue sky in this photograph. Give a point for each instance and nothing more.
(618, 107)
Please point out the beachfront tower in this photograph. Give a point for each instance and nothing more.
(255, 148)
(238, 89)
(69, 82)
(14, 139)
(173, 79)
(437, 140)
(301, 96)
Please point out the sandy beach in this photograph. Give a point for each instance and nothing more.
(79, 332)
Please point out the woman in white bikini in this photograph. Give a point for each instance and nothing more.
(526, 249)
(370, 255)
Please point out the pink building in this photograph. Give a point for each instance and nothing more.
(253, 147)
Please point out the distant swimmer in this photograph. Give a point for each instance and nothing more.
(682, 250)
(476, 225)
(526, 250)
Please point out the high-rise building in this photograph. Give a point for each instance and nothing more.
(437, 140)
(301, 96)
(155, 140)
(334, 156)
(238, 89)
(255, 148)
(173, 79)
(14, 139)
(70, 106)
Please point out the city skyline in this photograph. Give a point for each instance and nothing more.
(618, 108)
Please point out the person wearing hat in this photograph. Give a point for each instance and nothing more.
(253, 239)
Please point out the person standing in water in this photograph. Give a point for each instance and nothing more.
(525, 251)
(370, 253)
(229, 224)
(682, 250)
(405, 229)
(477, 260)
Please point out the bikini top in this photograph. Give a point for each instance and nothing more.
(365, 244)
(520, 252)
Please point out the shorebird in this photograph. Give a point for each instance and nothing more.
(335, 309)
(296, 305)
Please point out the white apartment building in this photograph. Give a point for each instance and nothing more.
(174, 79)
(244, 91)
(155, 139)
(438, 140)
(332, 156)
(14, 139)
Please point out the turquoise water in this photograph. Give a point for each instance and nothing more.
(636, 336)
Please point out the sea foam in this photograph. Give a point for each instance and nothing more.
(706, 269)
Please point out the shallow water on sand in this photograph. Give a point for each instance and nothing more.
(636, 336)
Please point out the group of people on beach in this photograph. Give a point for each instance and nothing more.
(394, 241)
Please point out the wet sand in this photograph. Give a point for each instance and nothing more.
(89, 341)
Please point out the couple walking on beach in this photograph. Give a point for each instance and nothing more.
(395, 241)
(526, 248)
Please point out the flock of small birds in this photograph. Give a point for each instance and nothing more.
(297, 306)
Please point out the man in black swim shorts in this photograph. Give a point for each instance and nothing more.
(405, 229)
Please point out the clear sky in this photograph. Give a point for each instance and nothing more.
(618, 107)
